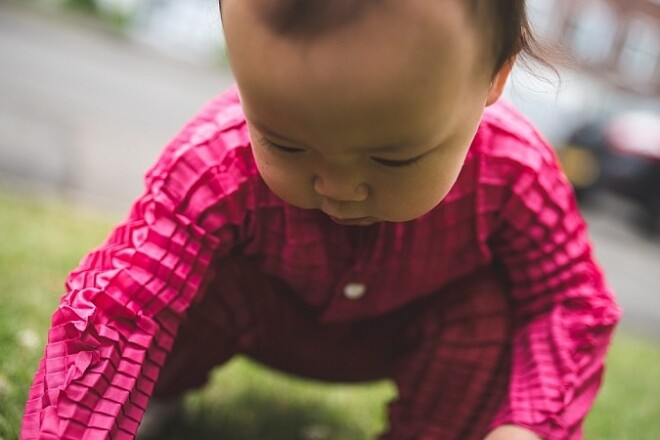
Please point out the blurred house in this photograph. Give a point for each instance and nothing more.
(616, 40)
(614, 46)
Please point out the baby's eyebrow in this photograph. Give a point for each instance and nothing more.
(273, 134)
(390, 147)
(409, 146)
(265, 129)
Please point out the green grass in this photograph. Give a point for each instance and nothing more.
(628, 407)
(40, 241)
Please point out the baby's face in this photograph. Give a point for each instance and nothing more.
(370, 122)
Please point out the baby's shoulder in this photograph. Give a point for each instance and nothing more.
(214, 141)
(506, 136)
(209, 159)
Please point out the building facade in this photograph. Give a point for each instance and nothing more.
(617, 40)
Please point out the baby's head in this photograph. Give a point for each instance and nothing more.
(365, 109)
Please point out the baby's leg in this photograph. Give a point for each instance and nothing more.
(222, 322)
(246, 312)
(448, 354)
(451, 386)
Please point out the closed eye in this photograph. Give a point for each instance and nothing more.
(392, 163)
(281, 148)
(287, 149)
(395, 163)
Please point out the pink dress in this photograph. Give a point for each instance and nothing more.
(510, 208)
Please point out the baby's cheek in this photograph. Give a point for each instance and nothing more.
(427, 193)
(291, 187)
(404, 204)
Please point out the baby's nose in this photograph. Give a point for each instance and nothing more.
(341, 189)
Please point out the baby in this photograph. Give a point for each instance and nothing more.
(360, 206)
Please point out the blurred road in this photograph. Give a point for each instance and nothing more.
(82, 109)
(84, 113)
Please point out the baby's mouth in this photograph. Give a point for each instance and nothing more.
(357, 221)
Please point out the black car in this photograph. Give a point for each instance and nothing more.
(620, 154)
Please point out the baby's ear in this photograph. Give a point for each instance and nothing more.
(499, 81)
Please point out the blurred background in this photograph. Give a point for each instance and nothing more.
(91, 91)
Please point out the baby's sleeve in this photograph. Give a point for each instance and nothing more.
(564, 313)
(118, 318)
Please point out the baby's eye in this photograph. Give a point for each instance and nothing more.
(395, 163)
(281, 148)
(288, 149)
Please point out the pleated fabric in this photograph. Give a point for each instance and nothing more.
(447, 353)
(204, 202)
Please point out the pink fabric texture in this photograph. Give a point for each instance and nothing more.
(205, 200)
(448, 354)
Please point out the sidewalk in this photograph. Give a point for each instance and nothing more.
(84, 112)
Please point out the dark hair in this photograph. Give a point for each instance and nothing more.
(514, 34)
(511, 32)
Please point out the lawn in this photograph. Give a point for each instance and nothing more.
(40, 241)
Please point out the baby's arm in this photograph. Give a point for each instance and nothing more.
(117, 322)
(115, 325)
(563, 312)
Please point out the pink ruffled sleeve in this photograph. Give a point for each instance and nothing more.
(564, 313)
(117, 321)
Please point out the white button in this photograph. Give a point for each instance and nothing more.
(355, 290)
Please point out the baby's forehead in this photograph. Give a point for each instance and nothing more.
(307, 21)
